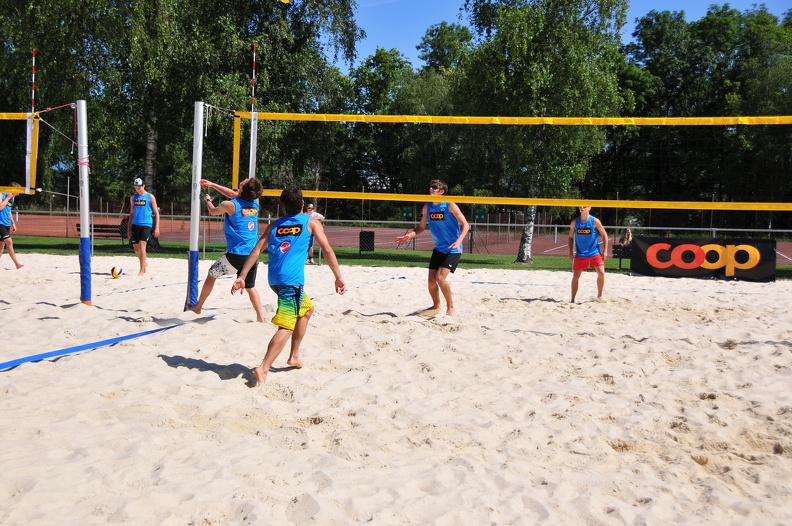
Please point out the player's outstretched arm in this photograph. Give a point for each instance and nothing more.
(415, 231)
(252, 259)
(464, 226)
(222, 190)
(224, 207)
(316, 229)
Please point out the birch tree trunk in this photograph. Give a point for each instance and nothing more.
(524, 251)
(150, 162)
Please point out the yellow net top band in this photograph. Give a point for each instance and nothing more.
(521, 121)
(539, 201)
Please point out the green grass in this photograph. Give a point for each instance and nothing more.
(415, 258)
(102, 247)
(346, 255)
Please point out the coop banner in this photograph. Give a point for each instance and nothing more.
(738, 259)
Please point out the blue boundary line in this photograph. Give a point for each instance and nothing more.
(103, 343)
(88, 346)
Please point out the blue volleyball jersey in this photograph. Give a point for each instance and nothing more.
(444, 227)
(586, 238)
(241, 227)
(5, 213)
(288, 242)
(141, 210)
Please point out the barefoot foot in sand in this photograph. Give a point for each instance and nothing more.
(430, 312)
(261, 374)
(294, 362)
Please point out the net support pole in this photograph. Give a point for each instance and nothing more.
(30, 160)
(237, 147)
(253, 120)
(253, 142)
(85, 231)
(195, 206)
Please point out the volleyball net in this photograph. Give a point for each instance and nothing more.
(479, 207)
(729, 122)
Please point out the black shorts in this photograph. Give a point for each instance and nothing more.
(441, 259)
(4, 233)
(140, 233)
(238, 262)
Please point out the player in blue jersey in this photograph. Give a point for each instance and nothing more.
(287, 241)
(8, 225)
(143, 217)
(240, 226)
(449, 228)
(584, 248)
(311, 211)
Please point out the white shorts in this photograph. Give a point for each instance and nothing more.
(221, 268)
(232, 264)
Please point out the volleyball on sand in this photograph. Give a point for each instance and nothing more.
(116, 272)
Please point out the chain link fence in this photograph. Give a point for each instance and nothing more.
(489, 244)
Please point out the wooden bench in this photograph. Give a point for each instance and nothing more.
(622, 252)
(119, 231)
(107, 231)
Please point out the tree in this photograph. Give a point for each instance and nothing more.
(429, 149)
(763, 83)
(539, 58)
(142, 65)
(712, 66)
(376, 83)
(678, 69)
(321, 153)
(445, 45)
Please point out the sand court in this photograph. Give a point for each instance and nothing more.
(670, 401)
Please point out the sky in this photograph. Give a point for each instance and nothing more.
(401, 24)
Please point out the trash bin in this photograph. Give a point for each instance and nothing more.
(366, 241)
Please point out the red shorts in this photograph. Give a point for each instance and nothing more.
(585, 263)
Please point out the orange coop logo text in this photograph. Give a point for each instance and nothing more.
(726, 257)
(288, 230)
(437, 216)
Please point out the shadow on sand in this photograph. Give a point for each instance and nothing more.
(225, 372)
